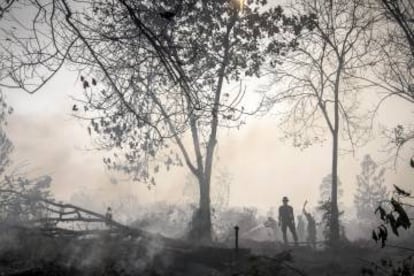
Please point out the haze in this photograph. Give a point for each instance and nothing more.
(262, 167)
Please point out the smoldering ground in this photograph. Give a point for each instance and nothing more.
(29, 251)
(102, 255)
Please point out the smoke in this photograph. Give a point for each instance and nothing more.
(262, 169)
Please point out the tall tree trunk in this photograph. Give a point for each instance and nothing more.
(334, 223)
(334, 218)
(205, 214)
(202, 228)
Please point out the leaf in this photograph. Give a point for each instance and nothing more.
(374, 236)
(381, 211)
(403, 219)
(383, 234)
(393, 224)
(401, 191)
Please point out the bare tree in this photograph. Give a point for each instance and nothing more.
(320, 92)
(391, 72)
(393, 69)
(401, 13)
(40, 37)
(395, 72)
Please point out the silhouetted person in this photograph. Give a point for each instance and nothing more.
(108, 216)
(311, 238)
(301, 228)
(287, 220)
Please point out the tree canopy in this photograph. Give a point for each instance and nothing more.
(153, 72)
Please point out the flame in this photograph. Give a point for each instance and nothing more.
(241, 5)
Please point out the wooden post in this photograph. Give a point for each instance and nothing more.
(236, 230)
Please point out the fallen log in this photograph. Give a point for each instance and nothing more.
(83, 215)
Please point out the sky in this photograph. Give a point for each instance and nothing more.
(263, 168)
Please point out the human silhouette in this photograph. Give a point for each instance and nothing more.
(311, 237)
(301, 228)
(287, 220)
(108, 216)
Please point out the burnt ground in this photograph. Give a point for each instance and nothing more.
(23, 253)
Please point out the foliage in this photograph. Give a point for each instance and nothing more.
(145, 112)
(15, 209)
(370, 190)
(393, 215)
(324, 206)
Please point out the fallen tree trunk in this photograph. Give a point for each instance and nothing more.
(69, 213)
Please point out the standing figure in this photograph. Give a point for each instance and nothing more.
(301, 228)
(287, 219)
(108, 216)
(311, 238)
